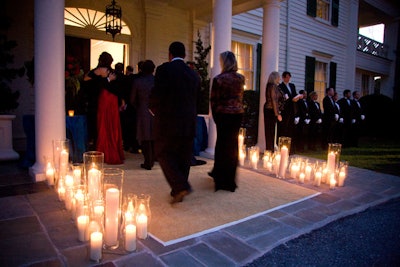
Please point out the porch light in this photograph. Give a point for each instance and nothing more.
(113, 19)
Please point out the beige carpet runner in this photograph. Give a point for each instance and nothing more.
(205, 211)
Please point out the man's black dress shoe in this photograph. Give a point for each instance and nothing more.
(145, 167)
(179, 197)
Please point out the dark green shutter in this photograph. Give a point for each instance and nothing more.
(332, 74)
(312, 8)
(335, 13)
(258, 67)
(310, 74)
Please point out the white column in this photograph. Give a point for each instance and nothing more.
(270, 57)
(49, 80)
(221, 41)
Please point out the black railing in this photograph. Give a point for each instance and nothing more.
(367, 45)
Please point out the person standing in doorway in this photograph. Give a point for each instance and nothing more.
(173, 101)
(227, 110)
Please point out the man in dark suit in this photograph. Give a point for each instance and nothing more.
(330, 117)
(173, 102)
(347, 113)
(287, 125)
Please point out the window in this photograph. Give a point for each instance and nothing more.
(88, 18)
(327, 10)
(320, 82)
(244, 57)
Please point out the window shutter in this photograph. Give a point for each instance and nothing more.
(258, 67)
(335, 13)
(310, 74)
(332, 74)
(312, 8)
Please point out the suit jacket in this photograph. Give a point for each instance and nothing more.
(290, 107)
(346, 110)
(174, 99)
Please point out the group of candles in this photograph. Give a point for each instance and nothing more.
(94, 197)
(332, 171)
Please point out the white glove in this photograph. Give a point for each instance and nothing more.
(296, 120)
(362, 117)
(341, 120)
(353, 121)
(307, 121)
(286, 96)
(319, 121)
(336, 117)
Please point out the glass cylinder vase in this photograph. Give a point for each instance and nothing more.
(60, 158)
(284, 149)
(143, 215)
(113, 182)
(93, 162)
(332, 162)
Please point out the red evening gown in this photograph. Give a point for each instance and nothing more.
(109, 139)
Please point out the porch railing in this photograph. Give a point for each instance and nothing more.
(367, 45)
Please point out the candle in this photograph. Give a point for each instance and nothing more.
(69, 181)
(308, 173)
(277, 161)
(301, 177)
(284, 161)
(331, 163)
(94, 183)
(240, 140)
(71, 113)
(332, 181)
(254, 160)
(141, 222)
(50, 174)
(130, 237)
(318, 176)
(63, 162)
(111, 222)
(96, 242)
(61, 192)
(342, 176)
(295, 170)
(269, 166)
(82, 222)
(242, 156)
(77, 173)
(79, 202)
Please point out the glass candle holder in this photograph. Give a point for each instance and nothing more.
(60, 157)
(143, 215)
(50, 173)
(113, 183)
(334, 150)
(96, 239)
(284, 149)
(342, 172)
(254, 155)
(93, 162)
(241, 137)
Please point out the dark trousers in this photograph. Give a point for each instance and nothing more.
(269, 128)
(174, 155)
(148, 152)
(226, 150)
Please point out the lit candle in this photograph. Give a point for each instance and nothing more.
(342, 176)
(82, 223)
(295, 170)
(50, 174)
(69, 180)
(98, 211)
(63, 162)
(308, 172)
(277, 161)
(331, 163)
(79, 202)
(61, 192)
(240, 140)
(111, 221)
(141, 226)
(77, 173)
(284, 161)
(332, 181)
(318, 176)
(130, 237)
(269, 166)
(96, 243)
(254, 160)
(242, 156)
(94, 183)
(301, 177)
(71, 113)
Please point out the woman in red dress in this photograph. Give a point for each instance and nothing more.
(109, 139)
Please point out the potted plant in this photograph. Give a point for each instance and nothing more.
(8, 97)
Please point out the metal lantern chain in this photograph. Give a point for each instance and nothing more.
(113, 19)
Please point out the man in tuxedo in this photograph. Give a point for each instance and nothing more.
(173, 101)
(287, 125)
(359, 119)
(315, 134)
(347, 113)
(330, 117)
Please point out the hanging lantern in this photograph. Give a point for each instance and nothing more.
(113, 19)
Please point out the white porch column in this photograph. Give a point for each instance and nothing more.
(49, 80)
(270, 57)
(221, 35)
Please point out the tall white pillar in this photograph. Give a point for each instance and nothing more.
(221, 35)
(49, 80)
(270, 57)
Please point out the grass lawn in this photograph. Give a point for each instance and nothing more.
(377, 154)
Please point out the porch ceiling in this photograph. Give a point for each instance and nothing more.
(203, 8)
